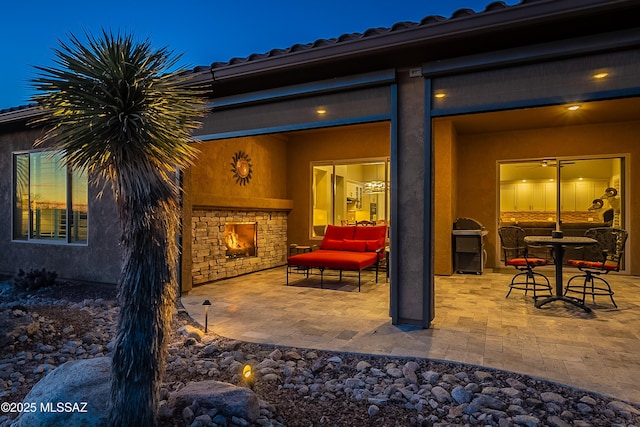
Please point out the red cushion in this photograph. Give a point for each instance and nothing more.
(336, 232)
(331, 244)
(372, 245)
(594, 265)
(354, 245)
(522, 262)
(338, 260)
(377, 232)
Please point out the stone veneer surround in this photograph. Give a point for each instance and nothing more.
(209, 259)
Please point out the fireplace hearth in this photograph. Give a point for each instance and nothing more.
(211, 261)
(240, 239)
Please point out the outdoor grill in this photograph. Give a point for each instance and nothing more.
(469, 255)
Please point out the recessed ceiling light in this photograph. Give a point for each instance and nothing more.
(321, 111)
(601, 75)
(573, 107)
(439, 95)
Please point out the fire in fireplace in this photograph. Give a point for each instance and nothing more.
(240, 239)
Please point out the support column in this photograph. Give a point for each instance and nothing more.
(412, 278)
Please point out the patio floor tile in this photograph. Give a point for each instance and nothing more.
(474, 323)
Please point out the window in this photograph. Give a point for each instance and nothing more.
(344, 192)
(50, 200)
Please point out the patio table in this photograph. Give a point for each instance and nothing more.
(558, 244)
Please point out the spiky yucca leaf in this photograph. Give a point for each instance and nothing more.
(113, 105)
(116, 111)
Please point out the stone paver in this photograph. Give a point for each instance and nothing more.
(474, 323)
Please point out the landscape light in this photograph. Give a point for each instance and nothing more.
(206, 305)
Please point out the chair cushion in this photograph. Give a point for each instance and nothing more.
(338, 260)
(337, 232)
(522, 262)
(373, 245)
(594, 265)
(331, 244)
(354, 245)
(377, 232)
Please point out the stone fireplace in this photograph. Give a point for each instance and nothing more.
(240, 239)
(228, 243)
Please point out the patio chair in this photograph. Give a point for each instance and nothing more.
(598, 259)
(516, 254)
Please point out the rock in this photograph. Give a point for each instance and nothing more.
(551, 397)
(526, 420)
(187, 414)
(210, 349)
(483, 376)
(441, 394)
(230, 400)
(275, 354)
(409, 372)
(188, 331)
(461, 395)
(555, 421)
(84, 384)
(292, 355)
(431, 377)
(618, 406)
(362, 366)
(373, 410)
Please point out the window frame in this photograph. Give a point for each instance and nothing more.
(332, 164)
(68, 239)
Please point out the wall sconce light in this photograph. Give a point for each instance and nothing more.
(248, 377)
(206, 305)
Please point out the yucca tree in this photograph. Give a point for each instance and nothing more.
(119, 110)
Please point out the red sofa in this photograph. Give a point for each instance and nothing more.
(343, 248)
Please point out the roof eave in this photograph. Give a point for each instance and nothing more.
(19, 114)
(529, 13)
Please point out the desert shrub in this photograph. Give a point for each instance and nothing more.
(34, 279)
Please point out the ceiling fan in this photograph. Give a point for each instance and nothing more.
(545, 163)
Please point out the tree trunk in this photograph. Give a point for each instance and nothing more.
(147, 292)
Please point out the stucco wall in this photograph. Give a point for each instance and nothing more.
(445, 153)
(98, 261)
(211, 173)
(478, 155)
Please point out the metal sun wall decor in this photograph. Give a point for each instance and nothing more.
(241, 167)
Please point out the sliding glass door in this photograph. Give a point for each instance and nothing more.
(345, 192)
(571, 194)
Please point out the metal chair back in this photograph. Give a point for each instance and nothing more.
(513, 244)
(608, 250)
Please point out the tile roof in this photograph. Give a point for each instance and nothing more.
(348, 43)
(342, 39)
(351, 37)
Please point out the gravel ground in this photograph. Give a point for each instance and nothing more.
(296, 387)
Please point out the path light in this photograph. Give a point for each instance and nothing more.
(206, 304)
(247, 376)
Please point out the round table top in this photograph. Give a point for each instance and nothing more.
(566, 240)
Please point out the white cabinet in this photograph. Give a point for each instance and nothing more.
(530, 196)
(542, 196)
(508, 197)
(550, 196)
(568, 196)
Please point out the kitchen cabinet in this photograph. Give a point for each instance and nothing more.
(542, 196)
